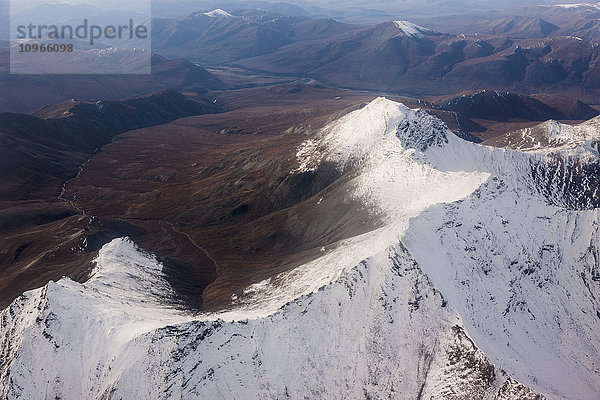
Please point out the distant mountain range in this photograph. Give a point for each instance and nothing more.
(347, 10)
(220, 37)
(538, 51)
(395, 57)
(388, 58)
(579, 20)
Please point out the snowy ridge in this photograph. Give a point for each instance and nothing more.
(552, 136)
(412, 30)
(218, 13)
(473, 272)
(590, 6)
(66, 334)
(564, 161)
(388, 350)
(516, 263)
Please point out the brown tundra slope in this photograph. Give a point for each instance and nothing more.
(39, 230)
(207, 194)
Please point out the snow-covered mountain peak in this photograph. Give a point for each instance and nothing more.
(412, 30)
(218, 13)
(123, 271)
(380, 124)
(551, 136)
(65, 337)
(588, 6)
(123, 275)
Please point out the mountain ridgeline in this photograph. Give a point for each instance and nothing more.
(444, 260)
(396, 57)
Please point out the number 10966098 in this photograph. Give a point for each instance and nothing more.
(45, 48)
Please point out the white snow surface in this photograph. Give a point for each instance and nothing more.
(591, 6)
(466, 243)
(410, 29)
(556, 136)
(66, 334)
(218, 13)
(97, 341)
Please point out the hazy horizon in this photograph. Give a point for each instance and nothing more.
(332, 7)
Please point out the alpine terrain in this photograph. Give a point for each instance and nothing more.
(463, 271)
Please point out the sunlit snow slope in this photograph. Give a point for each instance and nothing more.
(478, 278)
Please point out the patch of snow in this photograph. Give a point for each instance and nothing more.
(218, 13)
(257, 287)
(304, 156)
(413, 30)
(594, 6)
(553, 136)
